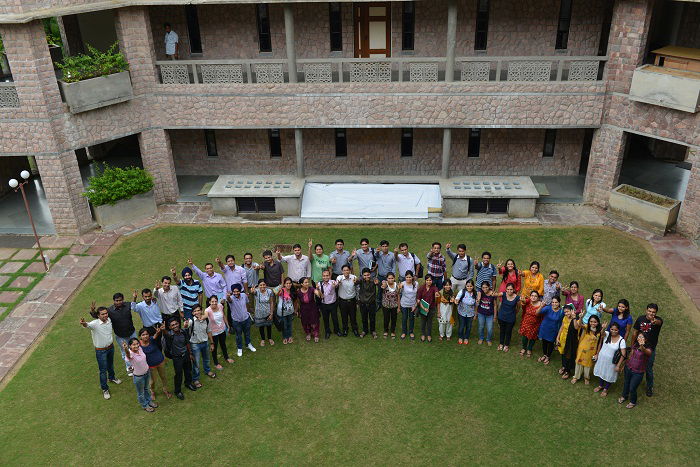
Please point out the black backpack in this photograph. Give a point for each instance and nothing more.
(418, 267)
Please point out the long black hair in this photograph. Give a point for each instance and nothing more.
(627, 307)
(505, 269)
(609, 339)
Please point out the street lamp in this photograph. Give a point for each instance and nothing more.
(15, 185)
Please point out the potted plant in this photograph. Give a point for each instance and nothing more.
(651, 209)
(120, 195)
(53, 37)
(96, 79)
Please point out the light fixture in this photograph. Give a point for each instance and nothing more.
(14, 183)
(24, 174)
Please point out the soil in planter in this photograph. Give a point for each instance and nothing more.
(646, 196)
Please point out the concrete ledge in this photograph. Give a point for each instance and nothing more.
(674, 89)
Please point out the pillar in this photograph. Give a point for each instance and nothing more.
(157, 159)
(607, 152)
(63, 185)
(289, 42)
(446, 152)
(133, 27)
(299, 150)
(70, 35)
(689, 217)
(451, 40)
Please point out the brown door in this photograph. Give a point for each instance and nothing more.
(372, 29)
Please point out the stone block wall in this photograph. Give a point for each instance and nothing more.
(157, 159)
(689, 220)
(689, 33)
(607, 152)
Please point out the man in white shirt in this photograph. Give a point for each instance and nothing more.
(102, 340)
(298, 265)
(405, 261)
(169, 300)
(347, 300)
(172, 43)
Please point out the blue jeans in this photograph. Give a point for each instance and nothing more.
(488, 321)
(121, 340)
(465, 327)
(650, 370)
(241, 328)
(632, 382)
(105, 362)
(408, 320)
(380, 278)
(287, 326)
(439, 282)
(200, 351)
(143, 394)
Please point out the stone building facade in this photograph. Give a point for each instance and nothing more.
(522, 84)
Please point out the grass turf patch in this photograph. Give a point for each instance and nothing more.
(352, 401)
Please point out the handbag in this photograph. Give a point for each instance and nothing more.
(618, 353)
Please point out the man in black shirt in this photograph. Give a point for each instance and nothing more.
(650, 326)
(177, 348)
(123, 325)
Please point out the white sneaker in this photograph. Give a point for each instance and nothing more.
(251, 348)
(240, 352)
(129, 374)
(106, 394)
(115, 381)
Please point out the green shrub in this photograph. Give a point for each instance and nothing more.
(93, 64)
(113, 184)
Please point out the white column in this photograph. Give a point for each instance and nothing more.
(289, 40)
(451, 40)
(446, 151)
(299, 149)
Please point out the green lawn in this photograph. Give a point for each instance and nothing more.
(352, 401)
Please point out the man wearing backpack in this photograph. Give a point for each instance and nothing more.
(365, 258)
(386, 263)
(407, 261)
(437, 266)
(176, 346)
(462, 267)
(201, 341)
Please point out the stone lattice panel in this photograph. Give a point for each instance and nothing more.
(475, 71)
(224, 73)
(376, 72)
(318, 73)
(8, 96)
(583, 70)
(425, 72)
(529, 70)
(175, 74)
(269, 73)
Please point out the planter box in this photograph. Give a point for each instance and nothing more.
(125, 211)
(97, 92)
(666, 87)
(658, 217)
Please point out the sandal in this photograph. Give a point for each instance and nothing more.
(598, 389)
(403, 336)
(529, 353)
(440, 338)
(374, 335)
(541, 359)
(573, 380)
(284, 341)
(197, 384)
(430, 339)
(604, 393)
(500, 347)
(316, 339)
(459, 341)
(413, 336)
(586, 381)
(422, 338)
(630, 406)
(620, 400)
(522, 353)
(481, 341)
(393, 336)
(546, 361)
(386, 334)
(211, 374)
(219, 367)
(290, 340)
(308, 338)
(262, 343)
(271, 342)
(168, 395)
(565, 375)
(561, 370)
(230, 360)
(506, 348)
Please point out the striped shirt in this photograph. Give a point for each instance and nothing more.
(436, 265)
(485, 273)
(190, 294)
(251, 274)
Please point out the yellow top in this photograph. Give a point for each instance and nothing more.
(587, 346)
(562, 335)
(676, 51)
(532, 282)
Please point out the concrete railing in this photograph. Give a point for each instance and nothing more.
(381, 70)
(8, 95)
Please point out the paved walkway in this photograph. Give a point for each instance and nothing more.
(24, 324)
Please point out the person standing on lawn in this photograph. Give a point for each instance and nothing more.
(567, 341)
(319, 262)
(621, 316)
(530, 324)
(408, 290)
(272, 271)
(552, 317)
(339, 258)
(386, 263)
(367, 297)
(308, 310)
(190, 291)
(605, 368)
(365, 257)
(233, 273)
(486, 308)
(635, 367)
(264, 310)
(506, 315)
(532, 280)
(466, 310)
(485, 271)
(426, 298)
(406, 261)
(594, 305)
(214, 283)
(177, 347)
(462, 267)
(169, 299)
(588, 347)
(298, 265)
(650, 326)
(552, 287)
(285, 309)
(347, 300)
(509, 275)
(437, 265)
(571, 296)
(137, 361)
(154, 358)
(218, 326)
(240, 317)
(122, 324)
(200, 343)
(328, 298)
(390, 304)
(101, 332)
(147, 309)
(445, 305)
(251, 269)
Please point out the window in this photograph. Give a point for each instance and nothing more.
(210, 139)
(488, 206)
(193, 29)
(341, 143)
(263, 17)
(563, 26)
(408, 26)
(550, 137)
(407, 142)
(474, 142)
(251, 205)
(482, 24)
(275, 143)
(336, 26)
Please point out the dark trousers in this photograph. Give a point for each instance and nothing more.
(265, 330)
(182, 364)
(286, 326)
(348, 310)
(650, 370)
(439, 282)
(105, 363)
(547, 348)
(380, 278)
(465, 327)
(219, 340)
(528, 344)
(426, 323)
(390, 320)
(568, 364)
(506, 332)
(632, 382)
(242, 328)
(369, 317)
(408, 320)
(330, 311)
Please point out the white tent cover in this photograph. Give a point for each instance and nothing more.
(369, 200)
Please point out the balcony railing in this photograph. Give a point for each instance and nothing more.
(384, 70)
(8, 95)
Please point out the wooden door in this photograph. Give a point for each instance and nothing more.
(372, 29)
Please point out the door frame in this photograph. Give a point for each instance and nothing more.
(361, 19)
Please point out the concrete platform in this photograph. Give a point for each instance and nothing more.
(286, 191)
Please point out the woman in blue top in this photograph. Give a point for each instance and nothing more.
(506, 316)
(154, 358)
(465, 300)
(621, 315)
(594, 305)
(551, 322)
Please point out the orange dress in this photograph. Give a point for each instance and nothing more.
(532, 282)
(530, 324)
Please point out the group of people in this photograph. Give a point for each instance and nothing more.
(187, 320)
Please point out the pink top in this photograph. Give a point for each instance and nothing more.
(137, 360)
(577, 303)
(217, 325)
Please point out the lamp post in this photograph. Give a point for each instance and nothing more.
(14, 184)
